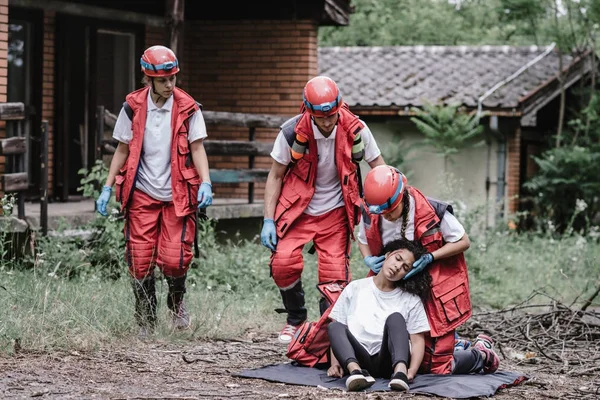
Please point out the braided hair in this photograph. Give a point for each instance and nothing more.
(405, 210)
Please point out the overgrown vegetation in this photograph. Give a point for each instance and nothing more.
(72, 299)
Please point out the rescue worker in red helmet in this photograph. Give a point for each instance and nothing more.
(161, 173)
(313, 194)
(409, 214)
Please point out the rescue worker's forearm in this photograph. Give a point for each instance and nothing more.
(200, 159)
(364, 249)
(450, 249)
(272, 192)
(117, 162)
(378, 161)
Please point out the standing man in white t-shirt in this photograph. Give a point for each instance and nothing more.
(313, 193)
(162, 177)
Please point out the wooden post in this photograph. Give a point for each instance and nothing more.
(44, 177)
(99, 131)
(251, 166)
(175, 13)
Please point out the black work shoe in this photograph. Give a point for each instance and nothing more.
(359, 379)
(399, 382)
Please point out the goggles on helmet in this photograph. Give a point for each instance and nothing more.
(167, 66)
(378, 209)
(323, 107)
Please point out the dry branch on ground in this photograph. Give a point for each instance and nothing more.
(550, 333)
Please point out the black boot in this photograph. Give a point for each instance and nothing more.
(293, 301)
(145, 305)
(181, 318)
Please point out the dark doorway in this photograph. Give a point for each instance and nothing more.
(96, 66)
(25, 85)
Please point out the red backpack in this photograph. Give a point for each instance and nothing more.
(310, 344)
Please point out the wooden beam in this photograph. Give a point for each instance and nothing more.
(226, 119)
(85, 10)
(12, 146)
(237, 148)
(244, 119)
(175, 15)
(16, 182)
(12, 111)
(238, 175)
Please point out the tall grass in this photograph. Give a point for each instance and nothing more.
(231, 294)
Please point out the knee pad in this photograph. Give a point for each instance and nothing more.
(174, 258)
(286, 270)
(334, 269)
(140, 258)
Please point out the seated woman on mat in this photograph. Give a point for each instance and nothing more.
(379, 324)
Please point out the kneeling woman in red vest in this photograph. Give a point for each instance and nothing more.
(162, 177)
(407, 213)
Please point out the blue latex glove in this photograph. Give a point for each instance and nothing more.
(374, 262)
(420, 264)
(268, 236)
(204, 195)
(103, 199)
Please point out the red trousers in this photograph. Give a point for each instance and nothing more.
(331, 238)
(154, 235)
(439, 353)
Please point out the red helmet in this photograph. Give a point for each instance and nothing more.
(322, 97)
(159, 61)
(384, 187)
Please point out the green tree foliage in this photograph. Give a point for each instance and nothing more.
(567, 184)
(439, 22)
(446, 129)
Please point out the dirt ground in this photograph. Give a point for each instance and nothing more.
(203, 370)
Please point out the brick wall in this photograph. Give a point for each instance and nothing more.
(3, 71)
(252, 67)
(513, 172)
(48, 108)
(155, 36)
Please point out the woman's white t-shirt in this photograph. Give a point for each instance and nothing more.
(364, 309)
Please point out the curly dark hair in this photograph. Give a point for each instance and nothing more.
(419, 284)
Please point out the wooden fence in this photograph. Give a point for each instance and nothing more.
(248, 148)
(14, 149)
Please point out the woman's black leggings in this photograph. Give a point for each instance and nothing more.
(394, 347)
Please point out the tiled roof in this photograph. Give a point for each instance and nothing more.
(407, 75)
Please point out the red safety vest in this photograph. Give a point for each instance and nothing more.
(449, 303)
(185, 180)
(299, 181)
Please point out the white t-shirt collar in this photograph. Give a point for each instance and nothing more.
(317, 133)
(168, 106)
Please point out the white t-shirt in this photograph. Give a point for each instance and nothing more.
(154, 174)
(452, 230)
(328, 190)
(363, 308)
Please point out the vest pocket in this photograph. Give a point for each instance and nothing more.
(119, 179)
(453, 296)
(285, 202)
(192, 180)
